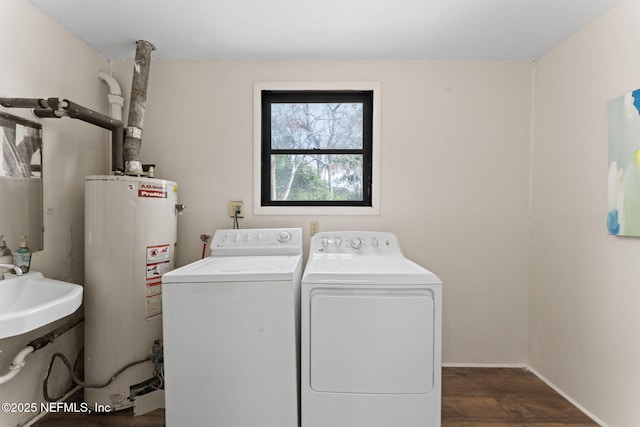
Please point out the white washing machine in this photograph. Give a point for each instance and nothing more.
(230, 332)
(370, 335)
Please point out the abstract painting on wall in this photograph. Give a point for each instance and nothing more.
(623, 190)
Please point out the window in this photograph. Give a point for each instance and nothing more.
(316, 150)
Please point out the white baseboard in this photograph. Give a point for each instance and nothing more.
(566, 396)
(485, 365)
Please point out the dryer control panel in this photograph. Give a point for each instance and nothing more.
(356, 242)
(257, 241)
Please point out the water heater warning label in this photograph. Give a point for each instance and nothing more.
(154, 305)
(158, 263)
(154, 191)
(156, 254)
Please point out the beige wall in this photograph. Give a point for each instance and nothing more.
(585, 322)
(455, 174)
(41, 59)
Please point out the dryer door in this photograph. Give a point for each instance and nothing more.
(372, 341)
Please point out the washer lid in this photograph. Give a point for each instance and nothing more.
(357, 269)
(236, 269)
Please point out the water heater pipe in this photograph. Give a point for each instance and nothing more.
(56, 108)
(137, 107)
(116, 103)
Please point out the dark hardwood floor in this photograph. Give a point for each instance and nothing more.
(504, 397)
(475, 397)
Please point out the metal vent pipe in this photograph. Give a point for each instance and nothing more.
(137, 106)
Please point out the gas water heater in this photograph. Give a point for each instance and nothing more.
(130, 241)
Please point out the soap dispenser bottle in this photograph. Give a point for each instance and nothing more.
(22, 255)
(5, 252)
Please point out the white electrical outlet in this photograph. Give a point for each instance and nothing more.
(314, 227)
(236, 206)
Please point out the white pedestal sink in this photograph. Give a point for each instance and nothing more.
(32, 300)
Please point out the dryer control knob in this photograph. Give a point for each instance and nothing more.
(284, 236)
(356, 243)
(374, 242)
(337, 241)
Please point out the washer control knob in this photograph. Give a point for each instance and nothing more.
(325, 242)
(356, 243)
(337, 241)
(284, 236)
(374, 242)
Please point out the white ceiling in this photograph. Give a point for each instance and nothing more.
(326, 29)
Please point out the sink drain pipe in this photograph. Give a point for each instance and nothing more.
(19, 361)
(17, 364)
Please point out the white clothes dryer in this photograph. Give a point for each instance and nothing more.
(370, 335)
(230, 332)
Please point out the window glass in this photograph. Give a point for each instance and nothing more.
(320, 177)
(316, 125)
(316, 148)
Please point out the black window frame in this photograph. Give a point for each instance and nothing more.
(269, 97)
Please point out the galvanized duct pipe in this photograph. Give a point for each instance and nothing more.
(137, 106)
